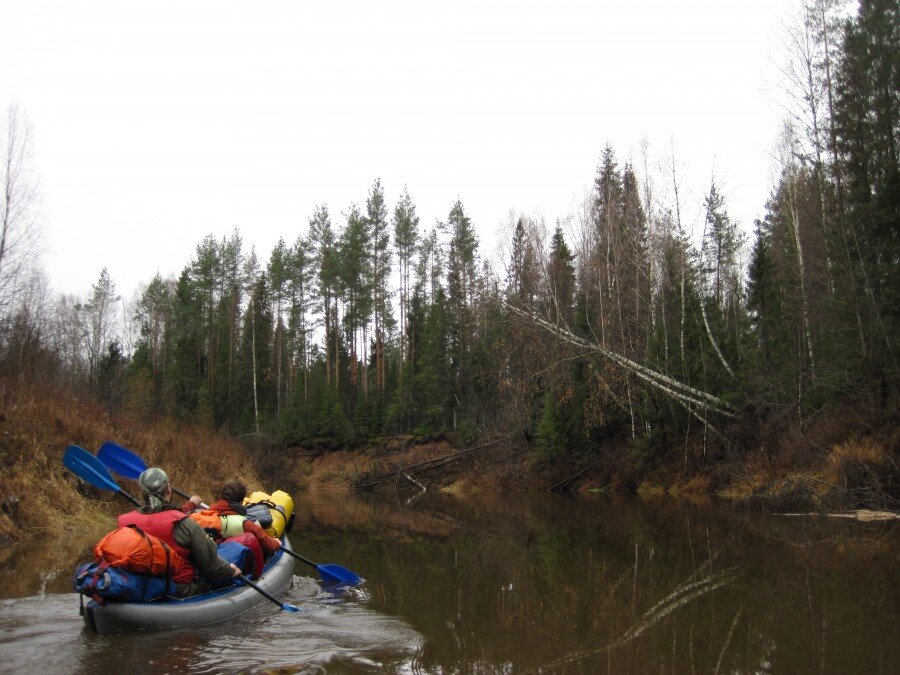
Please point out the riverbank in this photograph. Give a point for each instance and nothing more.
(829, 465)
(41, 499)
(813, 469)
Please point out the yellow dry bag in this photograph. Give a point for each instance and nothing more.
(281, 507)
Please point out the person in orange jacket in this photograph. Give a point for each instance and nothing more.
(230, 503)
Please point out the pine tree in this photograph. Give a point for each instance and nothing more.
(376, 218)
(521, 284)
(279, 274)
(206, 268)
(406, 233)
(228, 326)
(153, 315)
(302, 295)
(323, 242)
(185, 373)
(355, 273)
(720, 261)
(765, 307)
(866, 114)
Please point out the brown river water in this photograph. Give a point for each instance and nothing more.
(513, 583)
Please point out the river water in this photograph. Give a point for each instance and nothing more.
(514, 583)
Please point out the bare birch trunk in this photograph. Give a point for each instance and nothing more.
(253, 348)
(804, 301)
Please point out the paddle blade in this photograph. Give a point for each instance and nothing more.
(121, 460)
(289, 608)
(90, 469)
(332, 574)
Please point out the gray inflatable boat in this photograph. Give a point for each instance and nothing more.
(198, 610)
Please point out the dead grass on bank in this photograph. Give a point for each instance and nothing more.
(40, 498)
(343, 469)
(857, 473)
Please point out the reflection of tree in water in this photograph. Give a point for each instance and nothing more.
(678, 598)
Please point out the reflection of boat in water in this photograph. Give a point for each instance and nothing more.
(198, 610)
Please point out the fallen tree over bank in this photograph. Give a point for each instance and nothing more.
(397, 471)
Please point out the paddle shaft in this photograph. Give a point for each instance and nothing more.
(285, 606)
(296, 555)
(187, 496)
(130, 498)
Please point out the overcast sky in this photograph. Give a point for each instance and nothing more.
(156, 126)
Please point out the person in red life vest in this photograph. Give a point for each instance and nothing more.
(235, 526)
(200, 561)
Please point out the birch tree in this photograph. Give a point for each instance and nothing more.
(100, 313)
(19, 207)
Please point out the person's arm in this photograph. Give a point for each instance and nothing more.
(192, 504)
(203, 550)
(267, 543)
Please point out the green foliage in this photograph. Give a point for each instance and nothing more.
(551, 432)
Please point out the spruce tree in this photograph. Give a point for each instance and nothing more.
(561, 279)
(461, 254)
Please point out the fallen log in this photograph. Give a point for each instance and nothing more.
(862, 515)
(432, 463)
(565, 482)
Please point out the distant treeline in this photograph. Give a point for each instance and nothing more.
(614, 323)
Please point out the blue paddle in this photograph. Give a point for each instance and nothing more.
(126, 463)
(91, 470)
(331, 574)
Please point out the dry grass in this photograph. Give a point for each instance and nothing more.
(865, 451)
(196, 459)
(648, 489)
(39, 498)
(860, 472)
(700, 484)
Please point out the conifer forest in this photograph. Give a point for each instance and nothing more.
(611, 325)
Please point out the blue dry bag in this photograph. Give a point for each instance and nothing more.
(101, 582)
(234, 552)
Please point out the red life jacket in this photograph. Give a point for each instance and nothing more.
(161, 525)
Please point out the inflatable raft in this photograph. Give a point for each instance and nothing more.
(198, 610)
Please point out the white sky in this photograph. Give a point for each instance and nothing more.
(158, 125)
